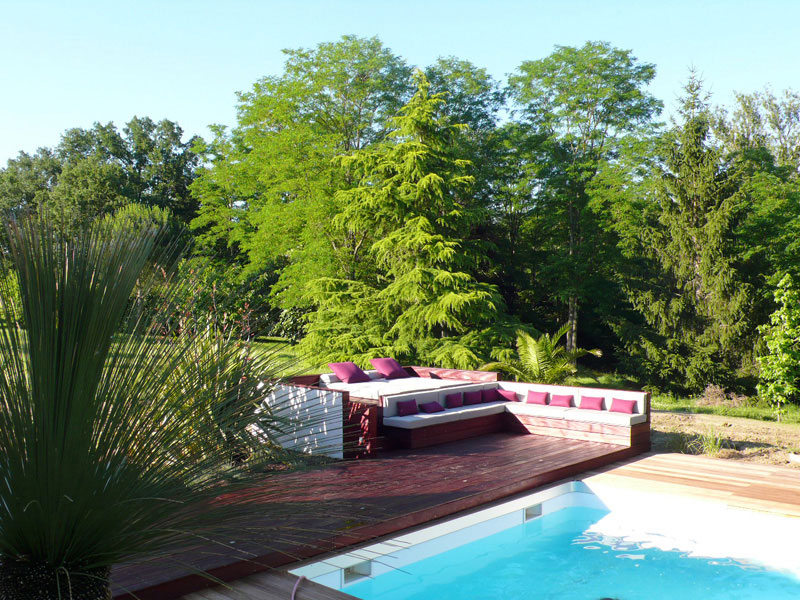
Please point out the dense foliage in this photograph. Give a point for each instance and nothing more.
(781, 364)
(365, 209)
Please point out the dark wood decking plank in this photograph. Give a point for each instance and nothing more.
(402, 489)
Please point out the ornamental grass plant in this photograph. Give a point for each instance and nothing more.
(120, 442)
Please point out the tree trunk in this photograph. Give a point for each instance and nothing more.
(28, 581)
(572, 319)
(572, 302)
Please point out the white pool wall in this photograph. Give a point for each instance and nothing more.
(695, 527)
(429, 541)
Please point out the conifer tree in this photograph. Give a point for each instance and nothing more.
(693, 301)
(424, 303)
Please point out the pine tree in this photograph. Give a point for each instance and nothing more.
(696, 306)
(412, 193)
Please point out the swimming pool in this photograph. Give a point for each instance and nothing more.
(576, 542)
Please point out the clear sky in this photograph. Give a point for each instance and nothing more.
(69, 63)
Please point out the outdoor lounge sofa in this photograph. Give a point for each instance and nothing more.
(574, 422)
(592, 414)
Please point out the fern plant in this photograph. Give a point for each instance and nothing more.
(542, 359)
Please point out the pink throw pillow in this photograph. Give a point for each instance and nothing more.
(508, 395)
(389, 368)
(536, 397)
(406, 408)
(472, 397)
(453, 400)
(490, 395)
(557, 400)
(431, 407)
(591, 403)
(348, 372)
(623, 406)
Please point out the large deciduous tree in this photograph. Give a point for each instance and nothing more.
(582, 100)
(270, 190)
(94, 171)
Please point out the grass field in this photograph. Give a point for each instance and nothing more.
(284, 356)
(751, 409)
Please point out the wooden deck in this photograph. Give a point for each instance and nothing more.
(744, 485)
(270, 586)
(401, 489)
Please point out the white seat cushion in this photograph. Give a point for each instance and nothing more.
(446, 416)
(421, 420)
(575, 414)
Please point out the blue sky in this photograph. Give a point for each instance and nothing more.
(70, 63)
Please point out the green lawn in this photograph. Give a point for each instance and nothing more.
(588, 378)
(285, 356)
(751, 408)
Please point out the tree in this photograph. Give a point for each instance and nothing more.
(764, 121)
(691, 294)
(542, 359)
(110, 449)
(27, 180)
(87, 189)
(424, 304)
(582, 100)
(780, 369)
(270, 192)
(93, 171)
(472, 98)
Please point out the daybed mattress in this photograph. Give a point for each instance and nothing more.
(376, 388)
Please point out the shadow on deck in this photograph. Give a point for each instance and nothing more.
(361, 500)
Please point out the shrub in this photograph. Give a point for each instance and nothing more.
(780, 368)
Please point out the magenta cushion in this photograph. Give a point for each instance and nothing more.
(453, 400)
(431, 407)
(348, 372)
(557, 400)
(508, 395)
(623, 406)
(490, 395)
(472, 397)
(536, 397)
(591, 403)
(407, 407)
(389, 368)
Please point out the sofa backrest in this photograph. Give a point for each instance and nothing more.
(608, 395)
(389, 402)
(331, 378)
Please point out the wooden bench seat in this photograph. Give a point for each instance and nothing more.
(424, 429)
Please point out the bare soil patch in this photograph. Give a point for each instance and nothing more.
(725, 437)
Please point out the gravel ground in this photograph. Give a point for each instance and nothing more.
(725, 437)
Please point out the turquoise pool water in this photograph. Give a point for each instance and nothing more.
(553, 557)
